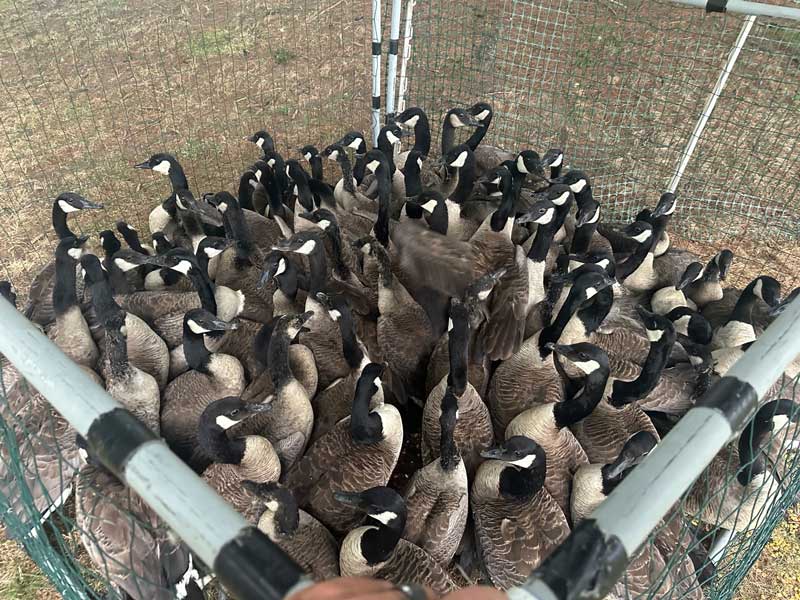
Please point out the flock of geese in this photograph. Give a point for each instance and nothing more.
(432, 369)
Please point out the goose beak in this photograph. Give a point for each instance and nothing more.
(493, 453)
(264, 279)
(350, 499)
(257, 409)
(143, 165)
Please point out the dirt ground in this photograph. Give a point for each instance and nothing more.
(89, 88)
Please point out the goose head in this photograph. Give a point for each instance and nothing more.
(639, 231)
(381, 506)
(354, 140)
(666, 205)
(262, 139)
(71, 202)
(227, 412)
(160, 163)
(308, 152)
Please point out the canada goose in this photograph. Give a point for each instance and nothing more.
(301, 363)
(593, 483)
(39, 308)
(473, 430)
(641, 272)
(404, 331)
(283, 271)
(236, 459)
(457, 176)
(263, 140)
(70, 331)
(416, 119)
(322, 337)
(239, 266)
(359, 452)
(250, 230)
(708, 287)
(737, 489)
(134, 280)
(530, 376)
(436, 497)
(346, 193)
(548, 424)
(312, 155)
(162, 217)
(307, 541)
(388, 137)
(455, 118)
(289, 424)
(145, 349)
(211, 376)
(376, 548)
(738, 329)
(783, 416)
(124, 537)
(301, 193)
(131, 237)
(665, 299)
(690, 323)
(517, 522)
(333, 403)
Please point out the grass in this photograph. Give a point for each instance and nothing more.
(217, 42)
(20, 579)
(283, 56)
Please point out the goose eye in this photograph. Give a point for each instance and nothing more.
(584, 356)
(234, 412)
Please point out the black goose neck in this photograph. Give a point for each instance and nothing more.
(287, 281)
(60, 222)
(458, 346)
(278, 359)
(117, 350)
(582, 238)
(202, 284)
(480, 132)
(234, 217)
(64, 294)
(449, 456)
(350, 348)
(318, 267)
(218, 446)
(378, 542)
(103, 301)
(581, 405)
(501, 216)
(625, 392)
(340, 268)
(365, 427)
(448, 135)
(422, 134)
(466, 180)
(347, 173)
(517, 483)
(751, 458)
(552, 332)
(594, 313)
(381, 227)
(194, 348)
(177, 177)
(635, 260)
(541, 243)
(743, 310)
(245, 192)
(316, 168)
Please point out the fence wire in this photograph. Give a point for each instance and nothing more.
(88, 89)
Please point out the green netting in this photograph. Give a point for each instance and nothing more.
(87, 89)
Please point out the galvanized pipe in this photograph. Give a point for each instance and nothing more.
(391, 69)
(376, 70)
(743, 7)
(408, 35)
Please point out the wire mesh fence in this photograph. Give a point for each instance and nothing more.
(90, 88)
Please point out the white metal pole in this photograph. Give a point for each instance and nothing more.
(711, 102)
(376, 70)
(391, 69)
(408, 35)
(743, 7)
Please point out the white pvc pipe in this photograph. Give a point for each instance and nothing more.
(742, 7)
(391, 69)
(711, 102)
(408, 35)
(376, 70)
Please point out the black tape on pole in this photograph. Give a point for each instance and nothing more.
(585, 566)
(376, 48)
(376, 102)
(252, 567)
(393, 46)
(115, 436)
(737, 400)
(719, 6)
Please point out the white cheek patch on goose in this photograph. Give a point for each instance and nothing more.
(307, 155)
(222, 207)
(455, 121)
(384, 517)
(295, 192)
(335, 314)
(412, 121)
(225, 422)
(672, 208)
(483, 295)
(83, 454)
(260, 142)
(779, 422)
(333, 155)
(595, 216)
(180, 203)
(603, 263)
(654, 334)
(162, 167)
(642, 237)
(307, 248)
(587, 366)
(271, 162)
(758, 289)
(460, 160)
(355, 144)
(429, 206)
(292, 332)
(525, 462)
(131, 227)
(75, 253)
(281, 267)
(124, 265)
(373, 165)
(196, 327)
(377, 382)
(182, 267)
(272, 505)
(682, 324)
(574, 264)
(123, 330)
(83, 274)
(324, 224)
(591, 292)
(557, 162)
(449, 324)
(695, 360)
(258, 174)
(496, 181)
(212, 252)
(561, 199)
(546, 217)
(482, 115)
(578, 186)
(67, 207)
(521, 165)
(419, 162)
(393, 139)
